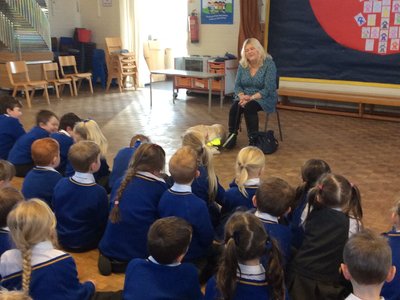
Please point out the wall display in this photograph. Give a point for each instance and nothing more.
(217, 12)
(355, 40)
(107, 3)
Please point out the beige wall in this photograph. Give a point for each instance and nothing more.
(216, 39)
(103, 21)
(64, 16)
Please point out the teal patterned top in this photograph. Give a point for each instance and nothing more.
(264, 82)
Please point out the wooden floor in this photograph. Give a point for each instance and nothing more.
(365, 151)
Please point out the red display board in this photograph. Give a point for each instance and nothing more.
(371, 26)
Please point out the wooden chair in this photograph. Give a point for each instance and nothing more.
(51, 75)
(69, 61)
(19, 78)
(120, 65)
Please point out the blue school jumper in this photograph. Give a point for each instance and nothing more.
(20, 154)
(148, 280)
(54, 274)
(65, 141)
(5, 240)
(281, 233)
(249, 286)
(10, 130)
(121, 162)
(391, 290)
(234, 198)
(295, 222)
(200, 187)
(40, 183)
(127, 239)
(179, 201)
(81, 209)
(104, 170)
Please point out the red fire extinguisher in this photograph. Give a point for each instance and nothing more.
(194, 27)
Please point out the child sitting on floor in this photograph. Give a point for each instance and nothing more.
(81, 205)
(273, 199)
(124, 156)
(20, 154)
(64, 138)
(250, 163)
(42, 271)
(241, 272)
(367, 264)
(391, 290)
(135, 199)
(10, 127)
(179, 201)
(9, 197)
(41, 180)
(7, 172)
(163, 275)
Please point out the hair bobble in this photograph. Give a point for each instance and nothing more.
(351, 184)
(116, 203)
(320, 186)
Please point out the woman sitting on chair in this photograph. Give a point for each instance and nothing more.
(255, 89)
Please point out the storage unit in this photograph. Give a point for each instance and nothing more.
(227, 85)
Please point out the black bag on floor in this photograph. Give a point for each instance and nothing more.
(266, 141)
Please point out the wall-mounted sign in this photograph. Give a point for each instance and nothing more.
(217, 12)
(107, 3)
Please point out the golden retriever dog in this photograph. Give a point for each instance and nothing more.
(214, 135)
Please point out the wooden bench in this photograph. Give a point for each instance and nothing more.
(322, 96)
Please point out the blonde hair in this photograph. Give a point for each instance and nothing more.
(90, 130)
(256, 44)
(7, 170)
(249, 160)
(13, 295)
(196, 141)
(30, 223)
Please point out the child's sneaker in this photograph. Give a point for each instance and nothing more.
(230, 142)
(104, 265)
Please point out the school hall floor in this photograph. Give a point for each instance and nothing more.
(364, 151)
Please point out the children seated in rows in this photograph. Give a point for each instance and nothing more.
(367, 263)
(333, 216)
(9, 197)
(10, 127)
(391, 290)
(64, 138)
(36, 266)
(81, 205)
(20, 154)
(311, 171)
(272, 200)
(250, 266)
(205, 186)
(7, 173)
(179, 201)
(135, 199)
(163, 275)
(41, 180)
(89, 130)
(249, 166)
(124, 156)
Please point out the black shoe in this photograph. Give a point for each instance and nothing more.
(104, 265)
(230, 142)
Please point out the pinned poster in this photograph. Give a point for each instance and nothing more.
(371, 20)
(360, 19)
(365, 32)
(369, 45)
(368, 6)
(374, 32)
(384, 23)
(396, 6)
(386, 2)
(217, 12)
(385, 11)
(395, 44)
(393, 32)
(382, 47)
(377, 7)
(396, 19)
(383, 36)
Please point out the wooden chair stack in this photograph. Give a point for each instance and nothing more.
(18, 75)
(120, 65)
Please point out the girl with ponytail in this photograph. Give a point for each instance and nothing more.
(249, 166)
(334, 213)
(241, 273)
(135, 199)
(42, 271)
